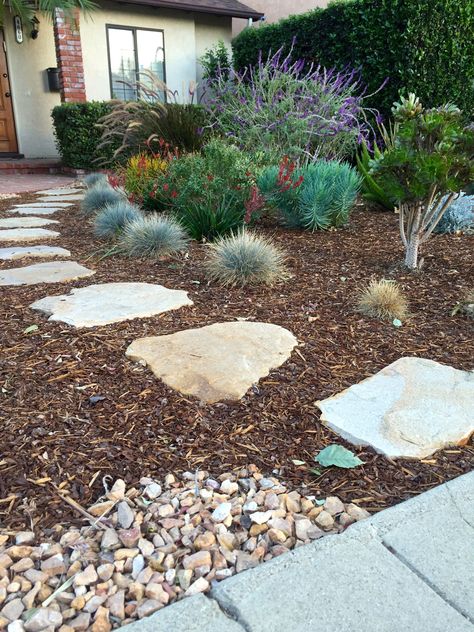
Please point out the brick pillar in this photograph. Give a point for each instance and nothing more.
(67, 39)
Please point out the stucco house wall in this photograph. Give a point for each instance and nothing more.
(276, 9)
(186, 37)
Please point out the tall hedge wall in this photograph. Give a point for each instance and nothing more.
(422, 46)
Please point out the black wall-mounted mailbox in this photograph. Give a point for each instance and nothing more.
(53, 79)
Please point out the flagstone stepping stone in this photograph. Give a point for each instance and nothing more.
(217, 362)
(45, 204)
(65, 191)
(27, 234)
(49, 272)
(34, 211)
(25, 222)
(411, 408)
(111, 303)
(68, 198)
(22, 252)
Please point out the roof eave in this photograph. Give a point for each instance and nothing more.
(164, 4)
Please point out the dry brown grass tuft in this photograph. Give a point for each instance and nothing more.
(383, 299)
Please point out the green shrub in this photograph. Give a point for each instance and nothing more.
(113, 218)
(153, 236)
(216, 62)
(423, 46)
(208, 192)
(429, 163)
(78, 135)
(93, 179)
(316, 197)
(98, 197)
(371, 191)
(245, 259)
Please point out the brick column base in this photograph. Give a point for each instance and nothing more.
(67, 39)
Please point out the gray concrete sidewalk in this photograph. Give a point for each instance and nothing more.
(409, 568)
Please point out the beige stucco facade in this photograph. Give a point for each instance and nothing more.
(186, 37)
(275, 10)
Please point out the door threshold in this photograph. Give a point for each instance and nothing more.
(11, 155)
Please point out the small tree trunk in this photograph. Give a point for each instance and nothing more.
(411, 254)
(413, 237)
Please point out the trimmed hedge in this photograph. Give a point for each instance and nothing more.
(421, 46)
(77, 135)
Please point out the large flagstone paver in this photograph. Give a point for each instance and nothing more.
(49, 204)
(23, 252)
(49, 272)
(66, 198)
(217, 362)
(111, 303)
(25, 222)
(36, 210)
(27, 234)
(411, 408)
(59, 192)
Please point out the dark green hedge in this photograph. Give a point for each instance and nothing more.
(77, 135)
(421, 46)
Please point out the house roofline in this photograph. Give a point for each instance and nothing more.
(190, 6)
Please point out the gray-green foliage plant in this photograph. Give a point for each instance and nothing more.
(98, 197)
(318, 196)
(245, 258)
(93, 179)
(112, 219)
(426, 167)
(153, 236)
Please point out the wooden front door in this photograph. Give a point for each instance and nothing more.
(8, 142)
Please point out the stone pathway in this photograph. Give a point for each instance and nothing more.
(217, 362)
(26, 222)
(53, 203)
(35, 210)
(23, 252)
(27, 234)
(410, 409)
(23, 182)
(410, 568)
(107, 303)
(49, 272)
(66, 198)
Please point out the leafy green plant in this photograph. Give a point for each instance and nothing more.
(383, 299)
(431, 160)
(77, 132)
(208, 193)
(93, 179)
(339, 456)
(317, 196)
(371, 191)
(98, 197)
(153, 236)
(112, 219)
(26, 10)
(244, 258)
(216, 62)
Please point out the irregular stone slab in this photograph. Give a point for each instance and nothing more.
(25, 222)
(23, 252)
(111, 303)
(27, 234)
(411, 408)
(66, 198)
(216, 362)
(49, 272)
(65, 191)
(57, 204)
(34, 211)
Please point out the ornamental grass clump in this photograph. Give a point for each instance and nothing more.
(153, 236)
(99, 197)
(245, 259)
(383, 299)
(93, 179)
(112, 219)
(289, 109)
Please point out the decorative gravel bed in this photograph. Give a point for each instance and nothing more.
(73, 408)
(150, 545)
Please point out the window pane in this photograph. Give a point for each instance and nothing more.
(151, 57)
(122, 64)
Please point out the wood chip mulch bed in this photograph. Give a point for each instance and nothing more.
(73, 409)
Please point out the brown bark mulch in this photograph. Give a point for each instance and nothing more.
(73, 409)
